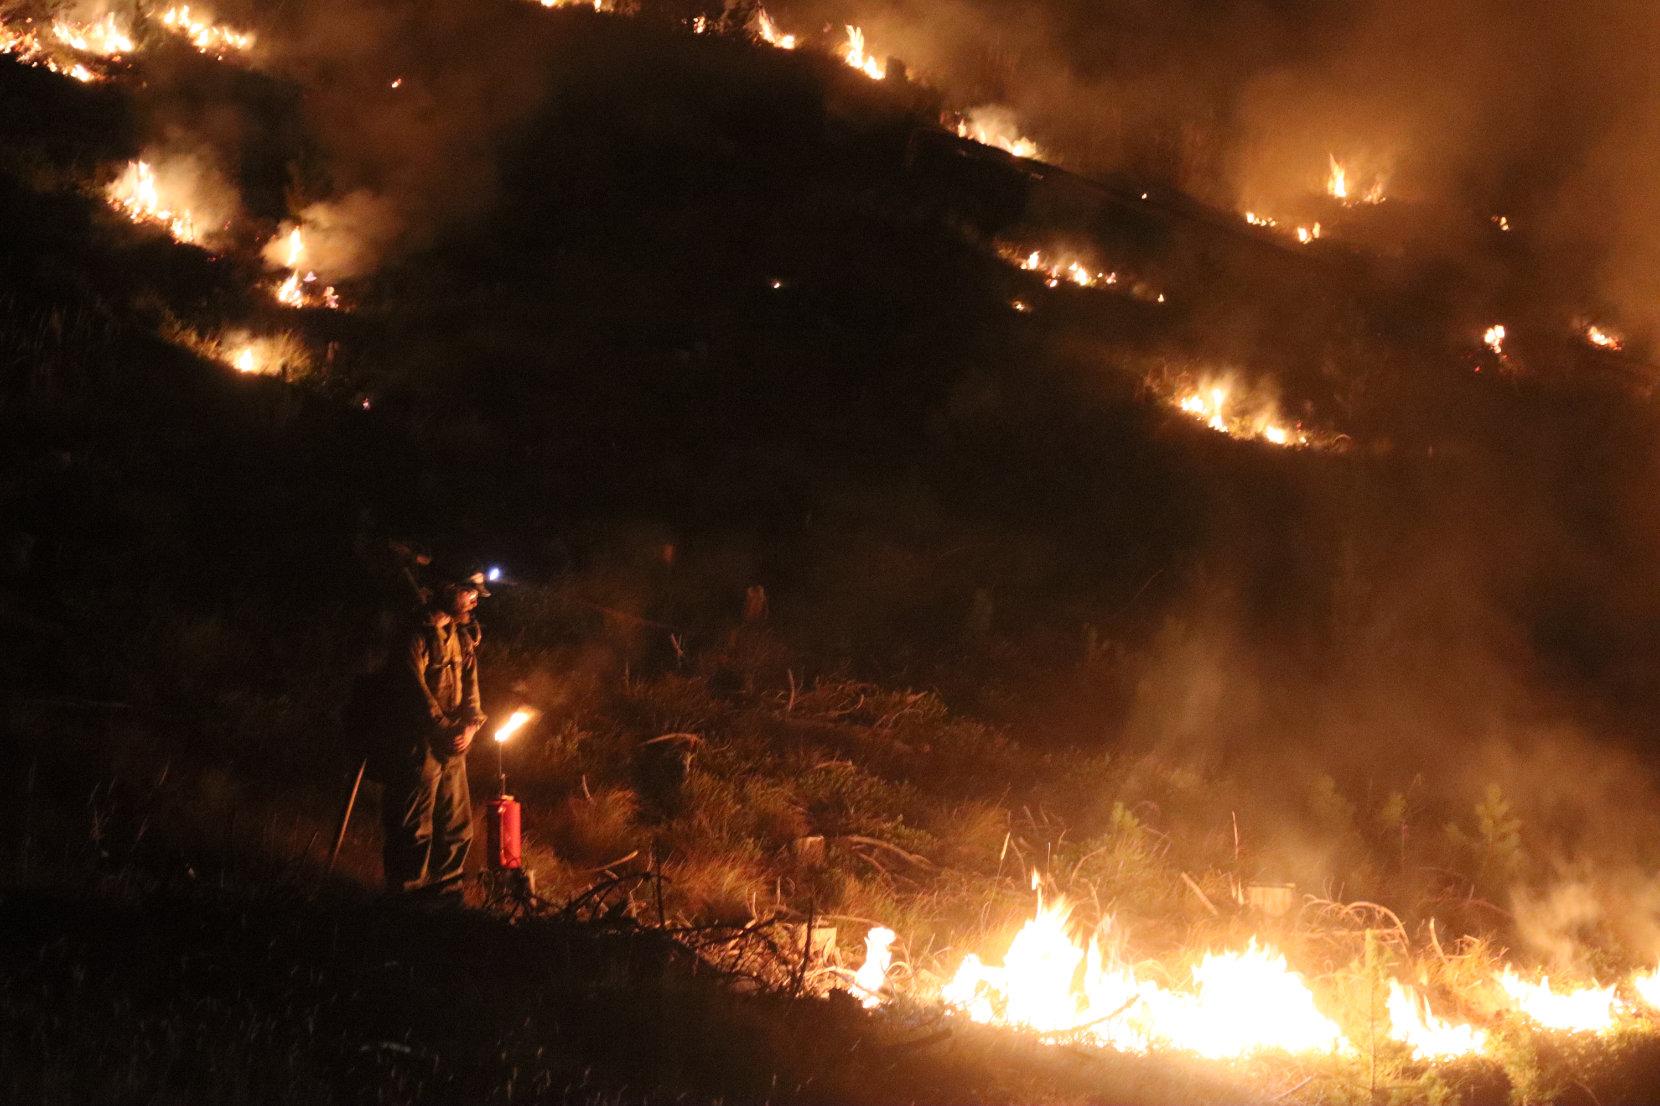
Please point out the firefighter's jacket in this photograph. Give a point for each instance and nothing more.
(443, 661)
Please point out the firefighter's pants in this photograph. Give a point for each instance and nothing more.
(427, 820)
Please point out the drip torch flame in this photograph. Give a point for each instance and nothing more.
(515, 722)
(872, 975)
(1493, 338)
(857, 57)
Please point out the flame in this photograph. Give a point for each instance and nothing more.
(1337, 186)
(1502, 222)
(300, 290)
(1260, 220)
(1240, 1002)
(1056, 270)
(105, 38)
(137, 195)
(872, 975)
(515, 722)
(1209, 403)
(1412, 1023)
(28, 49)
(1647, 986)
(995, 127)
(1603, 339)
(855, 55)
(1591, 1009)
(1305, 235)
(768, 30)
(1493, 338)
(205, 35)
(273, 355)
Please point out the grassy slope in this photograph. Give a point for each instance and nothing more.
(878, 442)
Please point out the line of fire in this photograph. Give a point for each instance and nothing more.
(630, 551)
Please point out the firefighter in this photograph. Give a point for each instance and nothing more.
(426, 811)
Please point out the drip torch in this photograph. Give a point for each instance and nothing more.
(502, 825)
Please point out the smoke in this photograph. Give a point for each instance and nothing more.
(1472, 108)
(342, 238)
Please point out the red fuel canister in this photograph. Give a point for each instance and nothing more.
(502, 831)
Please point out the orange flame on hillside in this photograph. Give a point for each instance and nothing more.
(1214, 404)
(1493, 338)
(995, 127)
(28, 48)
(1603, 339)
(856, 55)
(137, 195)
(105, 38)
(300, 289)
(205, 35)
(1337, 186)
(768, 30)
